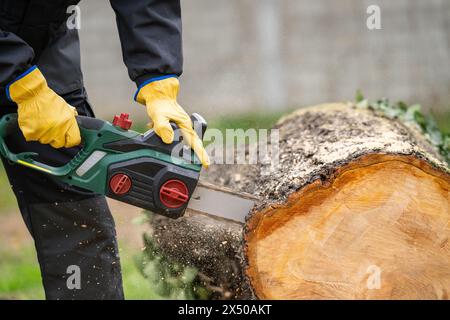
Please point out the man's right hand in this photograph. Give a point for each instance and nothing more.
(160, 98)
(42, 114)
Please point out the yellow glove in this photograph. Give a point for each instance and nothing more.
(160, 98)
(42, 114)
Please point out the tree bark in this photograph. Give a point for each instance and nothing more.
(359, 208)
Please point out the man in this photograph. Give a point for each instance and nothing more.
(41, 80)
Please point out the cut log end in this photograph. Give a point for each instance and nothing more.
(378, 229)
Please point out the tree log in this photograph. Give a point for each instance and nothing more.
(358, 209)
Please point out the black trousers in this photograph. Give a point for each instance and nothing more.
(73, 230)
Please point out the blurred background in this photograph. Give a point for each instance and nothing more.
(248, 55)
(246, 63)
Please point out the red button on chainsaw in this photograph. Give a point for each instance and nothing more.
(122, 121)
(120, 184)
(174, 194)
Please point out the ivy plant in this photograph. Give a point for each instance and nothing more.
(411, 115)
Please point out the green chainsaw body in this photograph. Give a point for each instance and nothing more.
(114, 161)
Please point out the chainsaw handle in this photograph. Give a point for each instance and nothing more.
(89, 123)
(93, 132)
(8, 124)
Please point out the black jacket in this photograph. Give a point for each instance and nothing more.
(35, 32)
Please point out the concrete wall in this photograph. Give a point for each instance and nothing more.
(267, 54)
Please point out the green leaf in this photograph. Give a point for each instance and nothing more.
(410, 115)
(421, 120)
(392, 112)
(446, 144)
(402, 106)
(364, 104)
(359, 96)
(436, 136)
(189, 275)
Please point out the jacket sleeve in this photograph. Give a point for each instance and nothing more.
(150, 34)
(16, 56)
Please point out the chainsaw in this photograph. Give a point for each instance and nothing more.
(138, 169)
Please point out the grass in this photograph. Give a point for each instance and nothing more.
(7, 199)
(263, 120)
(444, 122)
(135, 285)
(20, 275)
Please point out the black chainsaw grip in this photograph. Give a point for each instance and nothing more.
(90, 123)
(12, 125)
